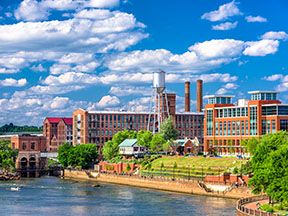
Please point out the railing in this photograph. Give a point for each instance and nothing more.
(247, 211)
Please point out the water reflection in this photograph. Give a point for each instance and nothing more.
(53, 196)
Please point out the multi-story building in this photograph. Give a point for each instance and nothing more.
(57, 132)
(100, 126)
(29, 161)
(227, 124)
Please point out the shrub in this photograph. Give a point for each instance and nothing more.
(267, 208)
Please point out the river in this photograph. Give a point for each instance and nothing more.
(54, 196)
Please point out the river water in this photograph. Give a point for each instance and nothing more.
(53, 196)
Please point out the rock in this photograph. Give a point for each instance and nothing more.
(96, 185)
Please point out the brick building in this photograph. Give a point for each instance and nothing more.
(227, 124)
(29, 161)
(57, 132)
(100, 126)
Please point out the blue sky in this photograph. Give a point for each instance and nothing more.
(59, 55)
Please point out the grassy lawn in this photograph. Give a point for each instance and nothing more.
(213, 163)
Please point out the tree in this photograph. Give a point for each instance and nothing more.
(83, 155)
(270, 167)
(157, 143)
(144, 138)
(63, 154)
(7, 156)
(166, 146)
(111, 148)
(250, 144)
(168, 129)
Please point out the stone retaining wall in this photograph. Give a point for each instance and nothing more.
(182, 186)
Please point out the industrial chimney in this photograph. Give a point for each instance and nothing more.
(187, 96)
(199, 95)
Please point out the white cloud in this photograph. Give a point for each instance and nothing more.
(227, 88)
(117, 32)
(224, 11)
(261, 48)
(272, 35)
(225, 48)
(103, 3)
(33, 10)
(108, 101)
(38, 68)
(255, 19)
(71, 78)
(273, 77)
(225, 26)
(130, 90)
(59, 102)
(13, 82)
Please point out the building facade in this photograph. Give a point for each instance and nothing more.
(100, 126)
(29, 161)
(227, 124)
(57, 132)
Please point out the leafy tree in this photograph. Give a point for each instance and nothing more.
(250, 144)
(83, 155)
(157, 143)
(63, 154)
(166, 146)
(111, 148)
(270, 167)
(13, 128)
(144, 138)
(168, 129)
(7, 156)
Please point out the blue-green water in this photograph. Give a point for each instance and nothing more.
(53, 196)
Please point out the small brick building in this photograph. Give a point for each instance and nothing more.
(29, 161)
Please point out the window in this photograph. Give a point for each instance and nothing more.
(284, 125)
(253, 120)
(33, 146)
(24, 146)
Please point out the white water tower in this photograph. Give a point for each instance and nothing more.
(159, 102)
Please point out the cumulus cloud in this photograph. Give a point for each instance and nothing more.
(261, 48)
(117, 32)
(255, 19)
(130, 90)
(227, 88)
(225, 48)
(225, 26)
(13, 82)
(224, 11)
(272, 35)
(33, 10)
(273, 77)
(108, 101)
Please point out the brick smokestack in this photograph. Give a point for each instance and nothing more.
(199, 95)
(187, 96)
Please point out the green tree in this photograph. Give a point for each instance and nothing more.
(7, 156)
(144, 138)
(111, 148)
(250, 144)
(157, 143)
(168, 129)
(270, 167)
(63, 154)
(166, 146)
(83, 155)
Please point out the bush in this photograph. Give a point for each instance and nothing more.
(267, 208)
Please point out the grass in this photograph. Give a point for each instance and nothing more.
(184, 162)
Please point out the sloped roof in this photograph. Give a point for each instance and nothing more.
(68, 121)
(128, 143)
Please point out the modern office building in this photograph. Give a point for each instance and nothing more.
(57, 132)
(227, 124)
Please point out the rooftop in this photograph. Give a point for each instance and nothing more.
(128, 143)
(264, 92)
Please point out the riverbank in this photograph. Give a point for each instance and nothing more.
(179, 186)
(9, 176)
